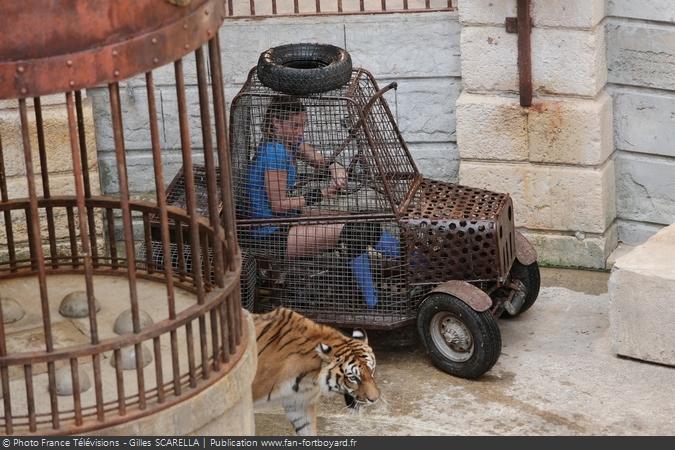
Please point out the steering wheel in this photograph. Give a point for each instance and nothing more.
(359, 176)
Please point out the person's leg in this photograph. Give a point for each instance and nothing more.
(309, 240)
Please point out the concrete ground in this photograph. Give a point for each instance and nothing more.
(556, 375)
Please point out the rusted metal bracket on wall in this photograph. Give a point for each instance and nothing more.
(522, 25)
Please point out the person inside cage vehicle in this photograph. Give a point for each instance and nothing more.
(272, 181)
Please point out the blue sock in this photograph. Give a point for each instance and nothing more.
(364, 278)
(390, 247)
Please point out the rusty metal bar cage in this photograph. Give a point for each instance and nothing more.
(181, 319)
(283, 8)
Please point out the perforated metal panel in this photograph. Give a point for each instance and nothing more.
(456, 232)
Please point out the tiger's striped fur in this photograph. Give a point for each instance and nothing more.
(299, 359)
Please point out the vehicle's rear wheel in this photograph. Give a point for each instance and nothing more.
(460, 341)
(527, 280)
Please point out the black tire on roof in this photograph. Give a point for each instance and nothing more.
(301, 69)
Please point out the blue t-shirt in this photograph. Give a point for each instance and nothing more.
(270, 156)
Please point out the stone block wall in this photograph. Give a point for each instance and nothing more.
(641, 76)
(555, 157)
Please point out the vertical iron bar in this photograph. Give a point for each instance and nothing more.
(119, 376)
(384, 5)
(98, 387)
(231, 323)
(159, 376)
(237, 315)
(85, 175)
(72, 235)
(178, 230)
(191, 354)
(405, 5)
(252, 7)
(149, 264)
(37, 244)
(318, 6)
(339, 5)
(4, 374)
(211, 176)
(8, 214)
(115, 106)
(427, 4)
(80, 181)
(77, 404)
(274, 7)
(525, 52)
(44, 171)
(202, 317)
(31, 239)
(188, 175)
(191, 206)
(30, 397)
(215, 344)
(230, 8)
(223, 153)
(224, 331)
(296, 7)
(110, 218)
(163, 223)
(361, 6)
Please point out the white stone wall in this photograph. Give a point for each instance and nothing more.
(419, 51)
(641, 71)
(556, 157)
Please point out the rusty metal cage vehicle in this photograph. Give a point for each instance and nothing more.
(64, 368)
(342, 227)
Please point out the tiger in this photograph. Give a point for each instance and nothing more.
(299, 359)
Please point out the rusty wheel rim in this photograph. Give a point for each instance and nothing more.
(451, 337)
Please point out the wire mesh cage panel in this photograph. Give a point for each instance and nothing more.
(148, 83)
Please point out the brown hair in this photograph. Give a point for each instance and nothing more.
(282, 107)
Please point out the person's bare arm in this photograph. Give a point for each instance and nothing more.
(337, 172)
(280, 202)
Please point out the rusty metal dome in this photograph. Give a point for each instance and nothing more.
(69, 45)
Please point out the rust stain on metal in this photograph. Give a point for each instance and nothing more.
(468, 293)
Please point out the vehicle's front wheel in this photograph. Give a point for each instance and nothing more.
(460, 341)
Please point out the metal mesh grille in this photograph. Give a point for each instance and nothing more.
(457, 232)
(175, 194)
(180, 265)
(248, 282)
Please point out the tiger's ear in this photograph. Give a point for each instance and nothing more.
(360, 334)
(324, 351)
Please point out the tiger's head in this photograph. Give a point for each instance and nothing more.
(349, 369)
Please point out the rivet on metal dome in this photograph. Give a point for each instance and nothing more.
(58, 235)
